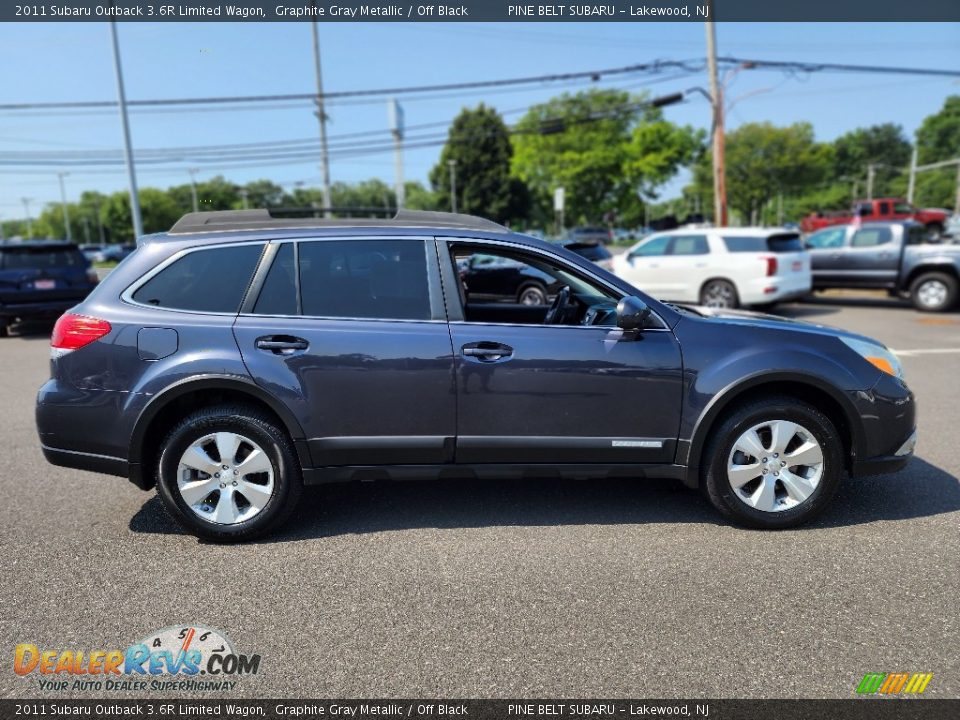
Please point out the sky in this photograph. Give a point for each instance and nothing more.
(48, 62)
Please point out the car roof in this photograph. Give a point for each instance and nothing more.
(741, 231)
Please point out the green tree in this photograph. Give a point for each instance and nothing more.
(479, 143)
(764, 161)
(938, 138)
(605, 148)
(158, 209)
(884, 146)
(260, 194)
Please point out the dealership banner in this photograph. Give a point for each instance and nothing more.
(543, 709)
(858, 11)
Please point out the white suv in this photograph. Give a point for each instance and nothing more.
(719, 267)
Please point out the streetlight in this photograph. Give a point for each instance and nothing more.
(63, 205)
(26, 209)
(453, 185)
(193, 187)
(127, 149)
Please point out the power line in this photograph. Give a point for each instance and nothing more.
(656, 66)
(808, 67)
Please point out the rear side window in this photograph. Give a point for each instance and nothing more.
(590, 251)
(212, 280)
(39, 258)
(870, 237)
(689, 245)
(377, 279)
(784, 242)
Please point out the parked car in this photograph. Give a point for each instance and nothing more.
(893, 256)
(933, 219)
(589, 235)
(719, 267)
(113, 253)
(593, 251)
(504, 279)
(41, 280)
(243, 355)
(90, 252)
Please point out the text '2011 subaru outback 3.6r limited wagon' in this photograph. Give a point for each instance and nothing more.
(243, 355)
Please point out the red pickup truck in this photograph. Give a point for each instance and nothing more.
(873, 210)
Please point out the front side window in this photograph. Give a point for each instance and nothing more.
(652, 247)
(208, 280)
(826, 239)
(903, 209)
(376, 279)
(871, 237)
(515, 287)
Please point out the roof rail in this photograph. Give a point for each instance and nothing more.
(282, 218)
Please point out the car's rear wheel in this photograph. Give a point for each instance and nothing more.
(532, 295)
(228, 473)
(719, 294)
(773, 463)
(934, 292)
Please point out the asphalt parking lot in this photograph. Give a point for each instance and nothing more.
(511, 589)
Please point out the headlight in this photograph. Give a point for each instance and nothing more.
(876, 354)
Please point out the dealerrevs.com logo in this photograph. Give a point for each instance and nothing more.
(180, 657)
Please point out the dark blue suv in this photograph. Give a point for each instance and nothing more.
(243, 355)
(41, 280)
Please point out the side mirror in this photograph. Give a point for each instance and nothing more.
(632, 313)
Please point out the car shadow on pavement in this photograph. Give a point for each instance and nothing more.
(921, 490)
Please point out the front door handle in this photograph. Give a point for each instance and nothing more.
(281, 344)
(487, 351)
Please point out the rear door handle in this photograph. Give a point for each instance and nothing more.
(487, 351)
(281, 344)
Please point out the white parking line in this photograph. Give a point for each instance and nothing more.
(927, 351)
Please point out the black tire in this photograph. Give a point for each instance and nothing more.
(4, 329)
(252, 423)
(718, 450)
(943, 299)
(532, 294)
(719, 294)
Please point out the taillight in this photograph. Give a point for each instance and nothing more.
(771, 266)
(92, 276)
(74, 331)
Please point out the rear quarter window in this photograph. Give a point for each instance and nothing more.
(782, 243)
(208, 280)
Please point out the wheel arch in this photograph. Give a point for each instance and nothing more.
(166, 408)
(724, 278)
(931, 266)
(808, 388)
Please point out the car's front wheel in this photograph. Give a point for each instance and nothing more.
(228, 473)
(773, 463)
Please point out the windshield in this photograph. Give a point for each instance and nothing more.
(30, 258)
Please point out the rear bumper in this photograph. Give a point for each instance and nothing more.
(776, 289)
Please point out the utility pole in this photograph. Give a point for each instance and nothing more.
(127, 150)
(322, 118)
(780, 209)
(193, 188)
(96, 209)
(871, 173)
(912, 184)
(396, 128)
(63, 206)
(453, 185)
(244, 193)
(86, 230)
(716, 99)
(26, 209)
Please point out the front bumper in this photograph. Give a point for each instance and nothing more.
(884, 464)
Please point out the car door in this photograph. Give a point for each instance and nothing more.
(685, 267)
(872, 259)
(351, 334)
(827, 249)
(528, 392)
(641, 265)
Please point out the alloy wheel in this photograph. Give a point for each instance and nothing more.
(225, 478)
(775, 465)
(932, 293)
(719, 294)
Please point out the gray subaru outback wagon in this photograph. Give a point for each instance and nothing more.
(242, 355)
